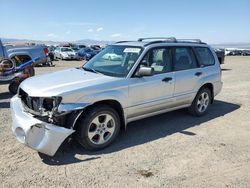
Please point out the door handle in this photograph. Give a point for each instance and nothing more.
(198, 74)
(167, 79)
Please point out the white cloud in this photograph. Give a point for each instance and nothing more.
(99, 29)
(90, 30)
(116, 35)
(52, 35)
(95, 30)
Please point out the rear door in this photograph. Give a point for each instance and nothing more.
(187, 75)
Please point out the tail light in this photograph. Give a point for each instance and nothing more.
(46, 51)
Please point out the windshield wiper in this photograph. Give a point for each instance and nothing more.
(90, 70)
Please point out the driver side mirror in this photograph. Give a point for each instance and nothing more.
(145, 71)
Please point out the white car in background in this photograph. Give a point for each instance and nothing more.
(65, 53)
(112, 57)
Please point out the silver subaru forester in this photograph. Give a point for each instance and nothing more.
(126, 81)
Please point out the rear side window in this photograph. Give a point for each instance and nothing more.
(184, 59)
(205, 56)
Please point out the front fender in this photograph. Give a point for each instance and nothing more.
(118, 96)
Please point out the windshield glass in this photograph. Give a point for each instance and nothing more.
(114, 61)
(66, 50)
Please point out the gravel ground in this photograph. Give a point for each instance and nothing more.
(169, 150)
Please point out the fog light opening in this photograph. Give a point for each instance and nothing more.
(20, 134)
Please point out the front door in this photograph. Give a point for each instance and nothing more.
(152, 93)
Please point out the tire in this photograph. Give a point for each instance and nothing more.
(30, 71)
(201, 102)
(61, 57)
(93, 132)
(13, 87)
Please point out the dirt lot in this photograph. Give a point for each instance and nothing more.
(169, 150)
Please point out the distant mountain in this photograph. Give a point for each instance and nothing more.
(22, 41)
(92, 42)
(6, 40)
(103, 43)
(83, 41)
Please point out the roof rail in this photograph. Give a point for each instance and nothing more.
(122, 41)
(191, 41)
(164, 38)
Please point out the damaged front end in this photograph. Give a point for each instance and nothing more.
(42, 123)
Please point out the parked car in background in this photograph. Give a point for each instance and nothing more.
(86, 53)
(96, 47)
(39, 52)
(75, 49)
(112, 56)
(80, 46)
(15, 67)
(65, 53)
(221, 55)
(96, 101)
(245, 53)
(51, 53)
(234, 52)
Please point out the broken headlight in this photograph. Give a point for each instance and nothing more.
(51, 104)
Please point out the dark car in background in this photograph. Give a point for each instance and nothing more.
(51, 54)
(220, 55)
(245, 53)
(96, 47)
(86, 53)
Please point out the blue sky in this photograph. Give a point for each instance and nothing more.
(213, 21)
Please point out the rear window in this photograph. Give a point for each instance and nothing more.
(205, 56)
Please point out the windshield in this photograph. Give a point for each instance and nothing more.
(66, 50)
(114, 61)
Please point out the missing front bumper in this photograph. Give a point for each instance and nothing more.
(38, 135)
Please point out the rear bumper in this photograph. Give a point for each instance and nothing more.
(40, 136)
(217, 87)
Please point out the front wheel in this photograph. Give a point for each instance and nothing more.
(98, 127)
(201, 102)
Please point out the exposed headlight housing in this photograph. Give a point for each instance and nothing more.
(52, 103)
(42, 106)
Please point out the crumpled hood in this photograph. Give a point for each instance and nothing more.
(61, 82)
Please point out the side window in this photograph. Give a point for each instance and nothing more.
(159, 59)
(205, 56)
(184, 59)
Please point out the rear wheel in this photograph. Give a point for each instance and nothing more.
(98, 128)
(201, 102)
